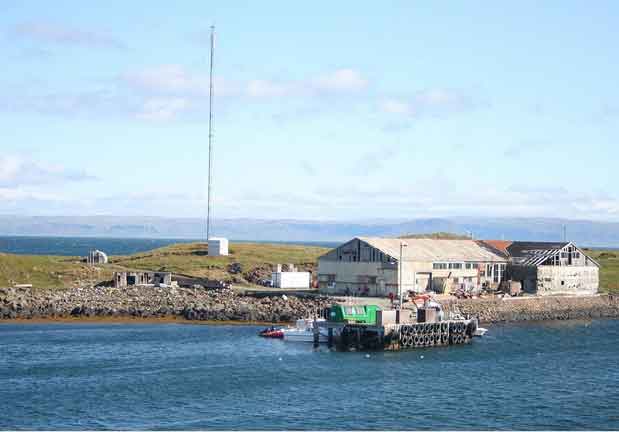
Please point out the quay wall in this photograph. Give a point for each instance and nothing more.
(537, 308)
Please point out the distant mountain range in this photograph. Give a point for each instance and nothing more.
(585, 233)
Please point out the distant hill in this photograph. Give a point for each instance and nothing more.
(585, 233)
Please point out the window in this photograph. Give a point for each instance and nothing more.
(455, 265)
(472, 265)
(439, 266)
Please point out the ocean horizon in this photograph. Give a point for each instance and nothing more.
(80, 246)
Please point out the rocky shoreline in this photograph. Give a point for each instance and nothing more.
(509, 309)
(225, 305)
(155, 302)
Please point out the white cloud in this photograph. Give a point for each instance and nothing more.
(169, 78)
(174, 79)
(16, 171)
(394, 106)
(433, 102)
(163, 109)
(61, 34)
(269, 89)
(347, 80)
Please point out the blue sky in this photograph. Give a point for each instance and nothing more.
(324, 110)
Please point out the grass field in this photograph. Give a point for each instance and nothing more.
(191, 259)
(48, 271)
(188, 259)
(609, 269)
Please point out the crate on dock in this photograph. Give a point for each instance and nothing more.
(403, 316)
(385, 317)
(429, 315)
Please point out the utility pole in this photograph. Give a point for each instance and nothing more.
(210, 137)
(401, 291)
(564, 232)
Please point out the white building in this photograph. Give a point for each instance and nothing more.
(217, 246)
(96, 257)
(371, 266)
(290, 279)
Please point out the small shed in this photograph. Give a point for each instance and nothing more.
(131, 278)
(96, 257)
(217, 246)
(290, 279)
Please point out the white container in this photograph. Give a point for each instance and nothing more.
(217, 246)
(291, 279)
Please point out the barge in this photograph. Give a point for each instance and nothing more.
(369, 328)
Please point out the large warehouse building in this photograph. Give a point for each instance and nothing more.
(549, 268)
(370, 266)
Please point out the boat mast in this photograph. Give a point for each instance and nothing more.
(210, 137)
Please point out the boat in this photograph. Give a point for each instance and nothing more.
(272, 332)
(303, 331)
(480, 331)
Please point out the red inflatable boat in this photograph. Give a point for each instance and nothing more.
(272, 333)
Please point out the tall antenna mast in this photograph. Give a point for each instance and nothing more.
(210, 137)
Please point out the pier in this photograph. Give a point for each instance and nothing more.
(394, 337)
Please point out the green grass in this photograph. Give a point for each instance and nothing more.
(609, 269)
(191, 259)
(188, 259)
(47, 271)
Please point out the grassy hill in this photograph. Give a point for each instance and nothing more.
(48, 271)
(188, 259)
(191, 258)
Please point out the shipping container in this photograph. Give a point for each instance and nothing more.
(291, 279)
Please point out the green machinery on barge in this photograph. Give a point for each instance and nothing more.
(362, 327)
(358, 314)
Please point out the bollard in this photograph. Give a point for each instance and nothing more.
(316, 335)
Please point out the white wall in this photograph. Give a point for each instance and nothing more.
(567, 280)
(291, 279)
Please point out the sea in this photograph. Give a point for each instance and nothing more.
(551, 375)
(80, 246)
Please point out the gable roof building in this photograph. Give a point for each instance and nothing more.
(548, 268)
(379, 266)
(372, 266)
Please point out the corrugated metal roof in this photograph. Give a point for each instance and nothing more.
(528, 248)
(433, 249)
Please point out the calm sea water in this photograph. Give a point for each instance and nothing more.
(80, 246)
(174, 376)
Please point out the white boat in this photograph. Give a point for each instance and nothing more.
(480, 332)
(303, 331)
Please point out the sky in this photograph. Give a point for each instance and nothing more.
(322, 110)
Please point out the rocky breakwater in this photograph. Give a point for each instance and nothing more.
(537, 308)
(154, 302)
